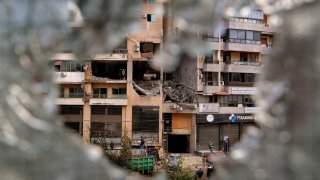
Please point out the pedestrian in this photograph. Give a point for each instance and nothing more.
(210, 173)
(195, 172)
(142, 143)
(204, 159)
(210, 146)
(200, 173)
(111, 145)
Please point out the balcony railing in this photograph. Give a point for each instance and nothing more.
(211, 61)
(99, 96)
(245, 63)
(71, 95)
(245, 84)
(119, 96)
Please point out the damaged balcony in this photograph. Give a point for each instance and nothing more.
(179, 98)
(109, 71)
(146, 81)
(146, 50)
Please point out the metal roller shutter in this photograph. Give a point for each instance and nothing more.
(207, 133)
(244, 127)
(231, 130)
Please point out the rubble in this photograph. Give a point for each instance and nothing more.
(179, 93)
(148, 88)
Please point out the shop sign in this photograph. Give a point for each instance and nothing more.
(243, 90)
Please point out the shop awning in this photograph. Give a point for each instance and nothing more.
(220, 93)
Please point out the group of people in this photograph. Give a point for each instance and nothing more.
(226, 145)
(198, 172)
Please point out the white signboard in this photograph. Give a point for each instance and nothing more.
(210, 118)
(252, 109)
(208, 107)
(243, 90)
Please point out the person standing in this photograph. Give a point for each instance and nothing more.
(142, 143)
(210, 146)
(200, 173)
(112, 145)
(195, 172)
(210, 172)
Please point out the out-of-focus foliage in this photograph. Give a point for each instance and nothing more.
(34, 145)
(122, 158)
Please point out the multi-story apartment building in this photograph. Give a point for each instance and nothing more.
(116, 91)
(224, 81)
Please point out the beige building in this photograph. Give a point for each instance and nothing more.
(117, 91)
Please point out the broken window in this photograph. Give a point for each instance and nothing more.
(109, 69)
(146, 81)
(151, 17)
(148, 49)
(99, 92)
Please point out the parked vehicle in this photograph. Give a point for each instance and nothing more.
(174, 160)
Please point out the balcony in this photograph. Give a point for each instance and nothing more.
(101, 99)
(176, 108)
(209, 107)
(243, 67)
(231, 110)
(211, 65)
(252, 109)
(70, 99)
(242, 90)
(68, 77)
(210, 89)
(118, 56)
(214, 45)
(243, 47)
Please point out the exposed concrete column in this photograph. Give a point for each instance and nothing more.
(127, 119)
(86, 107)
(86, 122)
(193, 142)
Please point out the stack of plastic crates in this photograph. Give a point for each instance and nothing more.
(145, 165)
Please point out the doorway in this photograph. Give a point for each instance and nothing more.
(178, 143)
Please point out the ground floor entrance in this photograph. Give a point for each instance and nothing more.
(178, 143)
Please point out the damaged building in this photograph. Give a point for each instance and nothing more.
(207, 98)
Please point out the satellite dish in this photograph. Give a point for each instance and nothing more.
(210, 118)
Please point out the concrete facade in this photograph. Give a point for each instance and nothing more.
(222, 83)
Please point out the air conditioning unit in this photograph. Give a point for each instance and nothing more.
(173, 106)
(136, 47)
(222, 83)
(63, 74)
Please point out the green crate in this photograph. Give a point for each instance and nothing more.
(143, 165)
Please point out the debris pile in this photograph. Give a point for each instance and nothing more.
(178, 93)
(148, 88)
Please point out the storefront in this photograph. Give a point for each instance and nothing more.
(220, 126)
